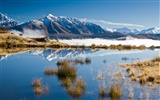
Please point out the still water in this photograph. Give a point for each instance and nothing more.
(17, 71)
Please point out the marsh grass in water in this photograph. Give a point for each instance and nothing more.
(149, 71)
(115, 91)
(66, 69)
(37, 82)
(67, 82)
(77, 89)
(38, 87)
(88, 60)
(50, 71)
(102, 90)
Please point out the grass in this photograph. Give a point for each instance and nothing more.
(67, 82)
(118, 74)
(50, 71)
(148, 71)
(78, 61)
(80, 83)
(38, 90)
(115, 91)
(46, 89)
(102, 90)
(77, 89)
(87, 60)
(38, 87)
(66, 69)
(37, 83)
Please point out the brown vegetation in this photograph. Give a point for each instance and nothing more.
(115, 92)
(148, 71)
(38, 87)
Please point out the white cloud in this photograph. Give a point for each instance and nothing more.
(110, 23)
(30, 33)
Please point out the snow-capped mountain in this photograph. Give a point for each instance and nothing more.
(60, 54)
(124, 30)
(51, 24)
(6, 21)
(154, 30)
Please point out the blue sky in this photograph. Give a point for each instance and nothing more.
(107, 13)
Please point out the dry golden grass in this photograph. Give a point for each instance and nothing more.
(66, 82)
(102, 90)
(115, 92)
(149, 71)
(77, 90)
(80, 83)
(9, 40)
(118, 74)
(50, 71)
(38, 91)
(37, 82)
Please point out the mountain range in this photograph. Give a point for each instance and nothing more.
(72, 27)
(125, 30)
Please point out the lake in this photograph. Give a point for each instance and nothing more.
(17, 71)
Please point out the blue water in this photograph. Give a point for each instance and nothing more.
(19, 70)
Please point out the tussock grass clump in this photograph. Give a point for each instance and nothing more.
(115, 91)
(37, 83)
(102, 90)
(50, 71)
(38, 90)
(77, 89)
(46, 89)
(119, 74)
(78, 61)
(66, 82)
(80, 83)
(87, 60)
(66, 69)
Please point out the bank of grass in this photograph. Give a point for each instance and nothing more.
(8, 40)
(146, 72)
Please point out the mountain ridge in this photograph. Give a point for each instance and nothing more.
(68, 27)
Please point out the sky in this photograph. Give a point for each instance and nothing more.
(107, 13)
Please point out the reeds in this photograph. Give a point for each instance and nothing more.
(115, 91)
(50, 71)
(102, 90)
(38, 87)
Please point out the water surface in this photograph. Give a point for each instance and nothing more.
(19, 70)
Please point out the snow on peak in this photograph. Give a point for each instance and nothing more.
(51, 17)
(154, 30)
